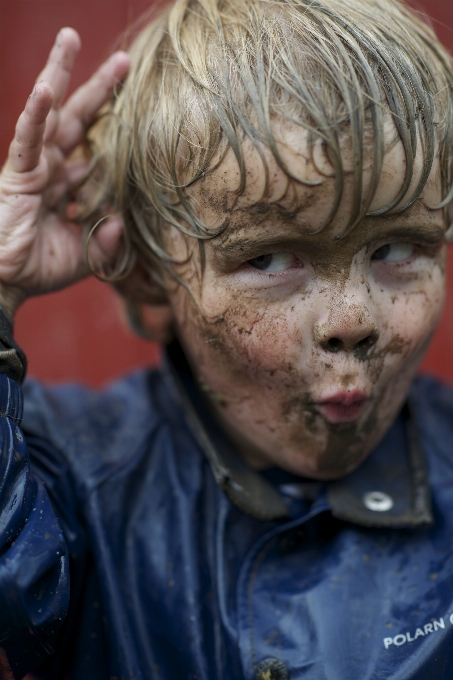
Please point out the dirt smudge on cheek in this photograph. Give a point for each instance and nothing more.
(243, 345)
(376, 357)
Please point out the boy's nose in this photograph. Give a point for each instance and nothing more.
(350, 327)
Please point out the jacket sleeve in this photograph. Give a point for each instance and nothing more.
(34, 579)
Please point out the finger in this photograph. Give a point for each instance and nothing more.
(26, 147)
(57, 71)
(81, 109)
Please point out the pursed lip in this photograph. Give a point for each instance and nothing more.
(343, 407)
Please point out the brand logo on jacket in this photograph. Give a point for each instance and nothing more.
(432, 627)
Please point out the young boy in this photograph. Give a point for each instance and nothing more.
(277, 501)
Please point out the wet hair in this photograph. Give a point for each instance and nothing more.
(208, 74)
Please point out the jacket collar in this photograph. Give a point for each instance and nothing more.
(389, 489)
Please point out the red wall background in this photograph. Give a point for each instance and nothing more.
(80, 333)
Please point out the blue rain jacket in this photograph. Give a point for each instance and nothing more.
(135, 543)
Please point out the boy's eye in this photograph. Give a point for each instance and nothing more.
(275, 262)
(394, 252)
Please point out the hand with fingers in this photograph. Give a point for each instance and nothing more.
(40, 250)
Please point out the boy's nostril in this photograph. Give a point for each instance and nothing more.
(362, 347)
(366, 342)
(334, 345)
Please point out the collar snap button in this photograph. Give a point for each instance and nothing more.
(377, 501)
(272, 669)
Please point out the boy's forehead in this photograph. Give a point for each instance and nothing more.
(304, 207)
(266, 183)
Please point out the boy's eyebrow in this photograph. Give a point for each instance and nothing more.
(234, 244)
(430, 234)
(241, 245)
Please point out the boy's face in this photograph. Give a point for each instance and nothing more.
(306, 343)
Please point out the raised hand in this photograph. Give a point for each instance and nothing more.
(39, 250)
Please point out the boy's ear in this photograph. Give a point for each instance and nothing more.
(140, 287)
(149, 313)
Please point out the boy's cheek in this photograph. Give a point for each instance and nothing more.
(412, 310)
(250, 344)
(258, 335)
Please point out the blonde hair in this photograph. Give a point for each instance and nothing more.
(206, 74)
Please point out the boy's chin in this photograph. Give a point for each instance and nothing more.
(326, 467)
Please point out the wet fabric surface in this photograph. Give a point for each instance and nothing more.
(169, 578)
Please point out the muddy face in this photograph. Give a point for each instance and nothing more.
(305, 339)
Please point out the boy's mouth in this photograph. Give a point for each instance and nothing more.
(343, 407)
